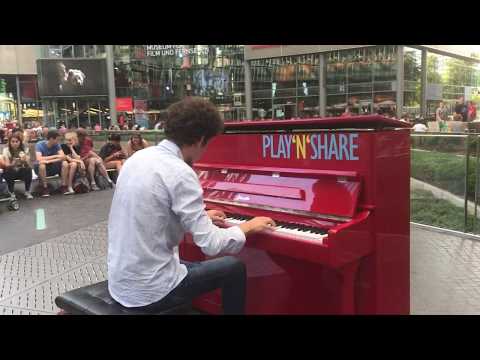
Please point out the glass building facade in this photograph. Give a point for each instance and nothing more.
(364, 79)
(390, 79)
(154, 76)
(449, 79)
(285, 87)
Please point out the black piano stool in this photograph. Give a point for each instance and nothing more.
(96, 300)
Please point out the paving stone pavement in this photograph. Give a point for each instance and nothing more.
(445, 272)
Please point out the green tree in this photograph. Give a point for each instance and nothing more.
(460, 72)
(3, 86)
(433, 69)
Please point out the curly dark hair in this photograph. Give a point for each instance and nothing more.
(191, 119)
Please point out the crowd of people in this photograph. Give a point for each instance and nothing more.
(464, 111)
(70, 155)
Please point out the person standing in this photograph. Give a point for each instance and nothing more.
(157, 200)
(441, 112)
(472, 111)
(441, 116)
(461, 109)
(121, 121)
(347, 112)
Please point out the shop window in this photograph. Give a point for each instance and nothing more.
(67, 51)
(54, 51)
(89, 50)
(78, 51)
(363, 79)
(412, 81)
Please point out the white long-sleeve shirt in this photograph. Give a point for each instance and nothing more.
(157, 199)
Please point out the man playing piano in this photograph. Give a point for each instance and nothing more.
(158, 199)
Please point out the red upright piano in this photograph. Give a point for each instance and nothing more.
(338, 189)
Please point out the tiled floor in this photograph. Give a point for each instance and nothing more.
(445, 272)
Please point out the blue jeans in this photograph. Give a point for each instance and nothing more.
(226, 273)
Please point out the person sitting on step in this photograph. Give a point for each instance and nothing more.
(135, 144)
(112, 153)
(17, 164)
(92, 161)
(50, 161)
(71, 149)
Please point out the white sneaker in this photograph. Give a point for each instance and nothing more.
(94, 187)
(69, 191)
(28, 195)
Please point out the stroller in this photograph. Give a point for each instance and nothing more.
(5, 196)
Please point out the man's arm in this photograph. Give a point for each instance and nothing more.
(74, 154)
(104, 156)
(110, 157)
(2, 162)
(188, 205)
(60, 156)
(6, 160)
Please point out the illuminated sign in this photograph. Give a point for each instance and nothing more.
(173, 50)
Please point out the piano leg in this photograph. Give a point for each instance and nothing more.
(348, 273)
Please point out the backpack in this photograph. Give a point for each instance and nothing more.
(3, 186)
(80, 185)
(101, 181)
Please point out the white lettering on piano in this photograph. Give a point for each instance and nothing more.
(333, 148)
(343, 146)
(353, 146)
(325, 146)
(267, 142)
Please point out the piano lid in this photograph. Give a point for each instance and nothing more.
(311, 193)
(376, 122)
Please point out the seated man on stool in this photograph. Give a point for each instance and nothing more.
(157, 200)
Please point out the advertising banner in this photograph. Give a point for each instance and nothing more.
(72, 77)
(124, 104)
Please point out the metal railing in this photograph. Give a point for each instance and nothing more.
(445, 180)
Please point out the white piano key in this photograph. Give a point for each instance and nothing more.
(280, 229)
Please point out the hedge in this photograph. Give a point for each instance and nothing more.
(426, 209)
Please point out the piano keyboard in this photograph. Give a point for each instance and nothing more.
(295, 230)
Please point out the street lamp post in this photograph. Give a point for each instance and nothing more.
(111, 85)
